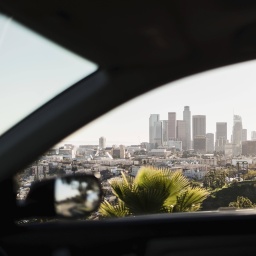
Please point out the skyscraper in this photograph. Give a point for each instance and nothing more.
(200, 144)
(171, 125)
(155, 130)
(152, 119)
(158, 137)
(237, 134)
(221, 136)
(209, 142)
(244, 134)
(165, 132)
(187, 119)
(199, 125)
(199, 131)
(181, 133)
(221, 130)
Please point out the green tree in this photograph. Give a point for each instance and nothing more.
(153, 190)
(215, 179)
(242, 202)
(250, 175)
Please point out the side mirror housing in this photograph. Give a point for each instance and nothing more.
(71, 196)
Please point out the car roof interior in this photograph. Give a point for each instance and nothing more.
(139, 46)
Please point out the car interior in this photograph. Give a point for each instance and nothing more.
(137, 46)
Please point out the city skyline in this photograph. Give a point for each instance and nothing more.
(129, 122)
(219, 94)
(106, 121)
(110, 142)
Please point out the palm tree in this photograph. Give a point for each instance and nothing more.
(153, 190)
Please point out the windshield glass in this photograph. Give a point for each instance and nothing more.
(32, 71)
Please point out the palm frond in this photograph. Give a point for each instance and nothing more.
(121, 186)
(190, 200)
(153, 190)
(145, 201)
(178, 184)
(109, 210)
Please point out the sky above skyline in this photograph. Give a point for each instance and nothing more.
(219, 94)
(32, 70)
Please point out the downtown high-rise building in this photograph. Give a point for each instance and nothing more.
(221, 130)
(158, 137)
(171, 125)
(237, 135)
(200, 144)
(244, 134)
(199, 133)
(199, 125)
(165, 132)
(221, 136)
(181, 133)
(152, 119)
(155, 130)
(187, 119)
(209, 142)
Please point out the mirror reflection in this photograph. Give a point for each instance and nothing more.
(75, 196)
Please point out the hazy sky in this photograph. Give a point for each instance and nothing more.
(218, 94)
(31, 70)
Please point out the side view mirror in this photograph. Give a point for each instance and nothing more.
(70, 196)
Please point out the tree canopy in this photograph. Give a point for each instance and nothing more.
(152, 190)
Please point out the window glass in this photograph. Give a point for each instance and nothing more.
(32, 71)
(202, 127)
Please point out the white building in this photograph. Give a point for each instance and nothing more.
(159, 152)
(195, 173)
(67, 154)
(102, 142)
(177, 145)
(134, 170)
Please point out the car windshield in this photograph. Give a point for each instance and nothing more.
(32, 71)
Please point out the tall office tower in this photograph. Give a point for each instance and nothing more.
(199, 125)
(187, 119)
(237, 134)
(155, 130)
(209, 142)
(158, 137)
(221, 130)
(102, 142)
(253, 135)
(249, 148)
(152, 119)
(199, 129)
(244, 134)
(181, 133)
(221, 136)
(171, 125)
(165, 132)
(200, 144)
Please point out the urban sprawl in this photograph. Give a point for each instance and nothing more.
(175, 144)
